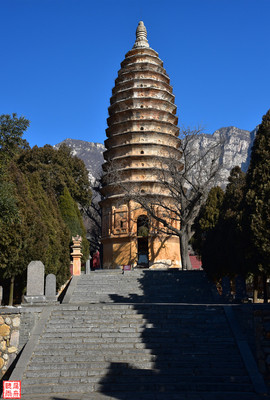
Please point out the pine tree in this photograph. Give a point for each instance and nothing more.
(17, 237)
(56, 256)
(65, 178)
(257, 203)
(11, 132)
(223, 249)
(11, 143)
(8, 206)
(230, 225)
(38, 233)
(32, 226)
(207, 218)
(73, 219)
(58, 169)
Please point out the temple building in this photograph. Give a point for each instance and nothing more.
(142, 132)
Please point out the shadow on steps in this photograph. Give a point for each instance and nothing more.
(172, 286)
(189, 349)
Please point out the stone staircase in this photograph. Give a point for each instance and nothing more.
(150, 335)
(143, 286)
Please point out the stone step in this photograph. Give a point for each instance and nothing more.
(112, 338)
(172, 387)
(105, 362)
(127, 355)
(141, 286)
(84, 385)
(173, 323)
(84, 308)
(88, 347)
(102, 369)
(131, 327)
(178, 316)
(72, 378)
(146, 396)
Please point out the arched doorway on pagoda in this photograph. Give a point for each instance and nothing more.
(142, 241)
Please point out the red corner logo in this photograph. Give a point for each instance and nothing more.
(11, 389)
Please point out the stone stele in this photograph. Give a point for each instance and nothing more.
(35, 282)
(50, 288)
(87, 268)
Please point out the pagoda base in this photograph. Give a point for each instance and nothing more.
(163, 252)
(165, 264)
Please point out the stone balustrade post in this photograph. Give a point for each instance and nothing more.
(87, 268)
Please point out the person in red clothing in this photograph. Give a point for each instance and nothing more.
(96, 260)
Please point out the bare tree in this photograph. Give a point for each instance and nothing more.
(92, 216)
(184, 181)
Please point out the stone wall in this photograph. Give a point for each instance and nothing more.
(16, 325)
(9, 339)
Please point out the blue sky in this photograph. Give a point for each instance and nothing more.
(59, 60)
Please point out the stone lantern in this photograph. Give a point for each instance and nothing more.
(76, 254)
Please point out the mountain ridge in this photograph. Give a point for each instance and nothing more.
(236, 150)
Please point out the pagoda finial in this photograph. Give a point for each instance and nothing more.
(141, 36)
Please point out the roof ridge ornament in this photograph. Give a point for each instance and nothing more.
(141, 36)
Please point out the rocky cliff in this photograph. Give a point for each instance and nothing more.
(90, 153)
(236, 149)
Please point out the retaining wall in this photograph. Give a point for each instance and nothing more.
(16, 325)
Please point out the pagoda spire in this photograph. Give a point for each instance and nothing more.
(141, 36)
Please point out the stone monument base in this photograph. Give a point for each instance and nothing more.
(34, 299)
(51, 299)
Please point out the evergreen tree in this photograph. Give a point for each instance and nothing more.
(207, 218)
(73, 219)
(230, 225)
(33, 182)
(38, 233)
(58, 169)
(11, 132)
(223, 250)
(56, 256)
(11, 143)
(65, 178)
(257, 201)
(8, 206)
(16, 237)
(12, 129)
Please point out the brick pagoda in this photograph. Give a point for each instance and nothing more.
(142, 132)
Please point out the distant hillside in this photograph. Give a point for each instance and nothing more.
(90, 153)
(237, 144)
(236, 150)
